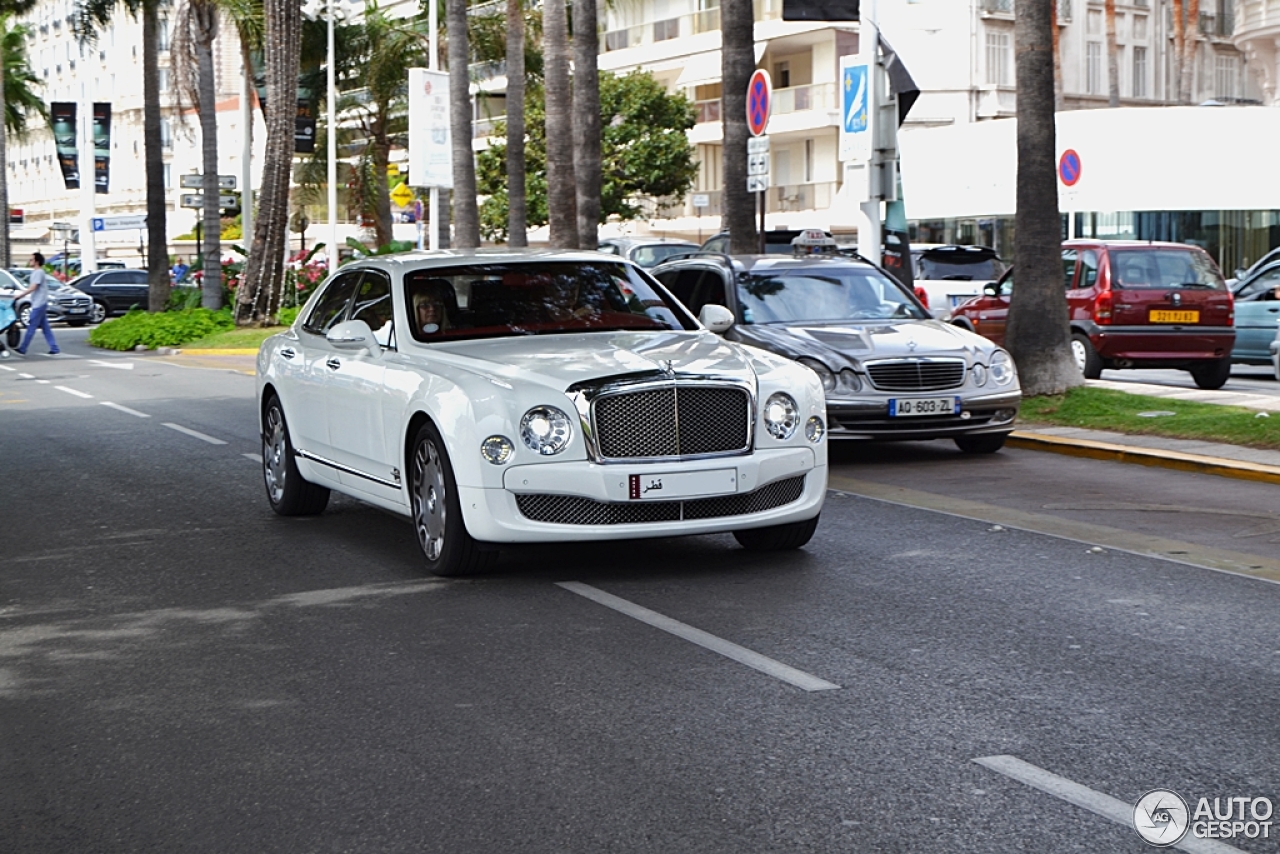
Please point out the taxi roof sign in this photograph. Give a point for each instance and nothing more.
(813, 241)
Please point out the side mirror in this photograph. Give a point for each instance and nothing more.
(717, 318)
(991, 289)
(353, 335)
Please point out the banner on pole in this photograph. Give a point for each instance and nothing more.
(101, 147)
(62, 115)
(430, 149)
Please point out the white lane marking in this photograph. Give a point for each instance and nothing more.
(73, 391)
(117, 406)
(1082, 796)
(740, 654)
(7, 368)
(257, 458)
(123, 366)
(27, 376)
(43, 382)
(190, 432)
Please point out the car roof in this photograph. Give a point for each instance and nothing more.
(953, 249)
(427, 259)
(767, 263)
(647, 241)
(1127, 244)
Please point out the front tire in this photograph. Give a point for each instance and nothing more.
(98, 313)
(437, 512)
(1087, 358)
(289, 493)
(24, 315)
(1212, 375)
(776, 538)
(983, 443)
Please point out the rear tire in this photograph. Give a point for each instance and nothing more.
(289, 493)
(776, 538)
(437, 512)
(984, 443)
(13, 336)
(1212, 375)
(99, 312)
(1087, 358)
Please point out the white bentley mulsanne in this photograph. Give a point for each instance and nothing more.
(505, 397)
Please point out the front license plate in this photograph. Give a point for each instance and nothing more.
(75, 311)
(685, 484)
(901, 407)
(1164, 316)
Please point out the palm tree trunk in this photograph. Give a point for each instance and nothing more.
(517, 203)
(1179, 46)
(5, 259)
(206, 21)
(562, 201)
(466, 210)
(1190, 44)
(1113, 51)
(737, 64)
(158, 284)
(1038, 333)
(258, 296)
(586, 121)
(380, 155)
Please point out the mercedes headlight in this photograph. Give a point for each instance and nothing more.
(1002, 368)
(849, 381)
(824, 373)
(546, 430)
(781, 416)
(979, 375)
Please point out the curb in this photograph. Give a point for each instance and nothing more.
(211, 352)
(1094, 450)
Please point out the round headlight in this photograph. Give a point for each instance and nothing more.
(850, 381)
(979, 375)
(814, 429)
(545, 430)
(1002, 368)
(497, 450)
(823, 372)
(781, 416)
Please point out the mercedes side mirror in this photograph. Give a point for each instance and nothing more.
(352, 335)
(717, 318)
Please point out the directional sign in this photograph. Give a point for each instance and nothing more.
(402, 195)
(196, 200)
(701, 200)
(757, 183)
(196, 182)
(757, 164)
(759, 101)
(118, 223)
(855, 114)
(1069, 167)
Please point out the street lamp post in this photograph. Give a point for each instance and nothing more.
(63, 230)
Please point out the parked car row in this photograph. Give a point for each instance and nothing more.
(91, 298)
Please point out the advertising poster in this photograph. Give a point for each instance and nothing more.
(101, 147)
(62, 115)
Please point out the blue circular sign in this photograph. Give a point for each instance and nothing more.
(1069, 167)
(759, 101)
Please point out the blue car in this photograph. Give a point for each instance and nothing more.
(1257, 299)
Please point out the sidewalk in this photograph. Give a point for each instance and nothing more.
(1184, 454)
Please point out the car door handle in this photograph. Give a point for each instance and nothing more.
(334, 363)
(287, 353)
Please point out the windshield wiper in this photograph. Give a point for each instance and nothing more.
(1193, 285)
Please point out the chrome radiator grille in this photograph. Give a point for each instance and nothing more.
(916, 374)
(571, 510)
(673, 421)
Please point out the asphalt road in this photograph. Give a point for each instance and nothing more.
(973, 655)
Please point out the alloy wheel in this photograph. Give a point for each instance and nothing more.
(274, 454)
(98, 312)
(1079, 354)
(429, 499)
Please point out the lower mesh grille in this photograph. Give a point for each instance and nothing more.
(571, 510)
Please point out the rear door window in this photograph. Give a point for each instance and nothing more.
(1069, 268)
(1088, 269)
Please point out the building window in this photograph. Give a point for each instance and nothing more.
(782, 75)
(999, 66)
(1139, 72)
(1093, 68)
(168, 176)
(164, 35)
(166, 134)
(164, 79)
(808, 161)
(1224, 78)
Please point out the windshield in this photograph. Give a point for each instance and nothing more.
(960, 269)
(543, 298)
(650, 256)
(1137, 269)
(824, 293)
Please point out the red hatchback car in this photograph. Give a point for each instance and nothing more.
(1132, 305)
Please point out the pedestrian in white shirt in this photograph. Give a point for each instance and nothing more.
(39, 291)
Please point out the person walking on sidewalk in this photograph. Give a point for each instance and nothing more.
(39, 291)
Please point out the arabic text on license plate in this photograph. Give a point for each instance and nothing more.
(1165, 316)
(902, 407)
(684, 484)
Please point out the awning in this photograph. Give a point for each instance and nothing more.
(32, 233)
(704, 68)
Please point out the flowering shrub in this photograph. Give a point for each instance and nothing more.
(302, 274)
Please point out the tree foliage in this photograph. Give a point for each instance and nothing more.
(645, 152)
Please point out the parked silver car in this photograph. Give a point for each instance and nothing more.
(65, 302)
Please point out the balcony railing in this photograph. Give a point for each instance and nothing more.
(793, 99)
(706, 21)
(1221, 25)
(1002, 7)
(707, 111)
(800, 197)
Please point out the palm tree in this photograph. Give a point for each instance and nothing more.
(586, 120)
(1038, 335)
(1179, 47)
(1191, 43)
(737, 64)
(562, 201)
(1113, 51)
(92, 16)
(466, 214)
(258, 296)
(8, 10)
(1057, 59)
(517, 210)
(192, 48)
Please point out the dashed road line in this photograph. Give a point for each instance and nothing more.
(43, 382)
(257, 458)
(121, 366)
(1082, 796)
(728, 649)
(126, 409)
(7, 368)
(73, 391)
(201, 436)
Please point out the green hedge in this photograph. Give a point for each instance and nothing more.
(163, 329)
